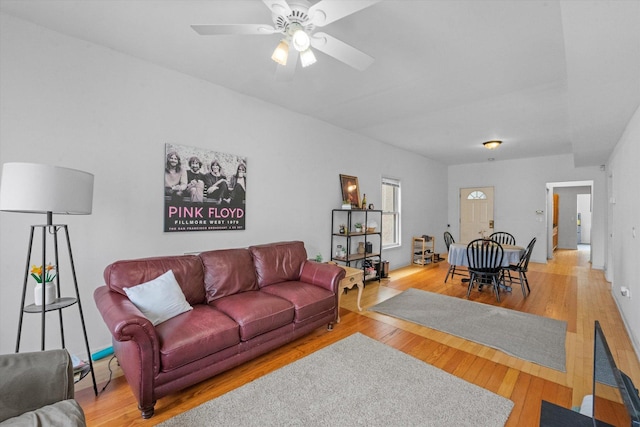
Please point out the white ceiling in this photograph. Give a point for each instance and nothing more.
(546, 77)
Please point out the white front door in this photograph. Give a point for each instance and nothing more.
(476, 213)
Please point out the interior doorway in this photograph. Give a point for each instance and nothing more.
(567, 215)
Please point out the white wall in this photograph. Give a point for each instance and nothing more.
(624, 208)
(520, 191)
(70, 103)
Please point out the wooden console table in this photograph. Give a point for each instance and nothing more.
(354, 277)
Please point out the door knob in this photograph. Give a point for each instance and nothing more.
(491, 223)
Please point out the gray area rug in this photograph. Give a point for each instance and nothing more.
(533, 338)
(357, 381)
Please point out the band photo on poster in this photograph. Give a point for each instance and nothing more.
(203, 190)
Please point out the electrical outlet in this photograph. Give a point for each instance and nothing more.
(626, 292)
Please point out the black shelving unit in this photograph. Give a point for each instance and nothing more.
(350, 239)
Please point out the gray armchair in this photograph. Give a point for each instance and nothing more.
(36, 389)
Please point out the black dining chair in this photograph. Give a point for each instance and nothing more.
(503, 238)
(485, 264)
(462, 271)
(521, 268)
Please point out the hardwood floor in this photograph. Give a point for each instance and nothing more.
(566, 289)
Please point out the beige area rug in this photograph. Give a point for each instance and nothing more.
(537, 339)
(357, 381)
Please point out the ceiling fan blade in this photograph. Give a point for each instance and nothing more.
(327, 11)
(224, 29)
(341, 51)
(284, 73)
(278, 7)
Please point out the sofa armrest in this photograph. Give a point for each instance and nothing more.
(33, 380)
(327, 276)
(126, 323)
(67, 413)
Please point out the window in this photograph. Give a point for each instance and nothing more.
(476, 195)
(390, 212)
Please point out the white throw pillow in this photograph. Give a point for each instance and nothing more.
(159, 299)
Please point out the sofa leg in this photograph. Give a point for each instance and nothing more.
(330, 327)
(147, 412)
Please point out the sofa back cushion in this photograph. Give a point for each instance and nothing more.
(278, 262)
(187, 270)
(228, 272)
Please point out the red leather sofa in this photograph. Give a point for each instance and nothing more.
(245, 302)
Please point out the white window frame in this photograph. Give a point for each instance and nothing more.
(394, 182)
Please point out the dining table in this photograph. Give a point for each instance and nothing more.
(458, 257)
(458, 254)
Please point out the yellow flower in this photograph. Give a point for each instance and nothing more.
(49, 275)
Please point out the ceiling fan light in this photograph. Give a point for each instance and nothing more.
(281, 53)
(300, 40)
(492, 145)
(307, 58)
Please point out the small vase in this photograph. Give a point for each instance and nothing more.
(49, 293)
(361, 248)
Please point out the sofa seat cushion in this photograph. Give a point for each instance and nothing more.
(256, 312)
(194, 335)
(308, 300)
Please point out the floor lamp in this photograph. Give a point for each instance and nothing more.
(46, 189)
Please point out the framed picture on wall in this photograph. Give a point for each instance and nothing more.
(350, 190)
(204, 190)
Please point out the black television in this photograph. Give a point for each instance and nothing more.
(615, 399)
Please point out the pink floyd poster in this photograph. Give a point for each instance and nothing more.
(203, 190)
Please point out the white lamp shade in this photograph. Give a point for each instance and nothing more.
(307, 58)
(281, 53)
(37, 188)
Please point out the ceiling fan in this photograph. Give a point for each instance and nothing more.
(296, 21)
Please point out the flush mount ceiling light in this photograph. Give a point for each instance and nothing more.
(492, 145)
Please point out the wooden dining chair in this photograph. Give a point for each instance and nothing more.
(503, 238)
(462, 271)
(485, 264)
(521, 268)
